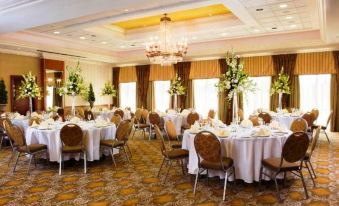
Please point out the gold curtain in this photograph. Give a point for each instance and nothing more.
(161, 73)
(150, 96)
(127, 74)
(315, 63)
(335, 95)
(258, 66)
(206, 69)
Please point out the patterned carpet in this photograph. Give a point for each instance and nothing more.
(136, 183)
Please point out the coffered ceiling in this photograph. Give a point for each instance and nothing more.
(116, 31)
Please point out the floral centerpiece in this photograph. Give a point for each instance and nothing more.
(109, 90)
(29, 88)
(235, 81)
(281, 86)
(176, 88)
(74, 84)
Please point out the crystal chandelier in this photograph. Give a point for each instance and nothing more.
(165, 50)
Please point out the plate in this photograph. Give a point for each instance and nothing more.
(193, 132)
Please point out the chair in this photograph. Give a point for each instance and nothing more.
(81, 113)
(208, 149)
(120, 113)
(154, 119)
(309, 117)
(315, 113)
(211, 114)
(116, 119)
(266, 117)
(191, 118)
(140, 122)
(34, 119)
(7, 124)
(254, 120)
(170, 155)
(71, 137)
(121, 138)
(299, 125)
(88, 114)
(172, 134)
(292, 156)
(22, 149)
(307, 158)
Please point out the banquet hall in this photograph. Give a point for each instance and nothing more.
(181, 102)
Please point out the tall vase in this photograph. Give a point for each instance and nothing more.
(30, 106)
(280, 102)
(235, 107)
(73, 105)
(175, 102)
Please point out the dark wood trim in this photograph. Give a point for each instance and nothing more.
(11, 93)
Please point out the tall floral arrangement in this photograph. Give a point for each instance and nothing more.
(176, 87)
(235, 80)
(74, 84)
(29, 87)
(282, 84)
(109, 90)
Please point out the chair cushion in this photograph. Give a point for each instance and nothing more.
(177, 154)
(32, 148)
(72, 149)
(112, 143)
(227, 163)
(273, 163)
(176, 146)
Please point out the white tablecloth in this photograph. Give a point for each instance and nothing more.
(285, 120)
(109, 114)
(51, 138)
(246, 153)
(176, 119)
(22, 123)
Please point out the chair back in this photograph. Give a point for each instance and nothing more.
(329, 118)
(314, 140)
(295, 147)
(138, 114)
(34, 119)
(254, 120)
(192, 117)
(299, 125)
(154, 118)
(207, 146)
(88, 113)
(123, 130)
(162, 142)
(116, 119)
(71, 135)
(240, 114)
(315, 113)
(211, 114)
(119, 112)
(309, 117)
(17, 136)
(171, 131)
(266, 117)
(144, 115)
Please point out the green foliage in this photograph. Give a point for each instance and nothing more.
(90, 94)
(29, 87)
(109, 90)
(176, 87)
(281, 85)
(74, 84)
(3, 92)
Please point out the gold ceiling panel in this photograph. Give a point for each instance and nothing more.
(184, 15)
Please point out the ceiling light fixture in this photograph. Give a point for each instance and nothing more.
(289, 17)
(224, 34)
(56, 32)
(103, 42)
(260, 9)
(82, 38)
(166, 51)
(282, 6)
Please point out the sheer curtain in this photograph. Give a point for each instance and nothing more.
(205, 96)
(162, 98)
(315, 93)
(127, 95)
(260, 98)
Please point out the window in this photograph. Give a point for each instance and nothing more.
(315, 93)
(205, 96)
(162, 98)
(260, 98)
(127, 95)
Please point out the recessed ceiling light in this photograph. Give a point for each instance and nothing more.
(283, 6)
(56, 32)
(194, 37)
(293, 26)
(289, 17)
(256, 30)
(224, 34)
(260, 9)
(82, 37)
(126, 10)
(103, 42)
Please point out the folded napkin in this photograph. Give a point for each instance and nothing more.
(195, 127)
(43, 125)
(50, 121)
(34, 124)
(246, 123)
(222, 133)
(75, 120)
(263, 132)
(274, 124)
(285, 111)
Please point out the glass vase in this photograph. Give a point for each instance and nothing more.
(235, 107)
(175, 102)
(280, 102)
(73, 105)
(30, 106)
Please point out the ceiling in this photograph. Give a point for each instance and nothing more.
(116, 31)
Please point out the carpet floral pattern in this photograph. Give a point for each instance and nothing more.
(137, 183)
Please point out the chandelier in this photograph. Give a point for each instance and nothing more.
(165, 50)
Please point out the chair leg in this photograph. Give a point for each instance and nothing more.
(208, 178)
(277, 187)
(29, 164)
(284, 181)
(182, 166)
(113, 159)
(47, 158)
(304, 185)
(163, 161)
(16, 162)
(60, 164)
(2, 138)
(225, 186)
(315, 176)
(234, 176)
(150, 133)
(123, 148)
(169, 167)
(196, 181)
(85, 162)
(129, 151)
(309, 171)
(10, 159)
(35, 161)
(133, 133)
(328, 140)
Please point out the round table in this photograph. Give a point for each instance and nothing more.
(177, 119)
(21, 123)
(110, 113)
(51, 138)
(285, 120)
(247, 153)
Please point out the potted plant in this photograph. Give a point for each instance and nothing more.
(3, 96)
(90, 96)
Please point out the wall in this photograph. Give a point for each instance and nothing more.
(11, 64)
(97, 74)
